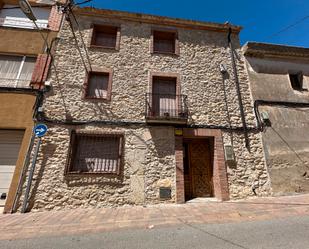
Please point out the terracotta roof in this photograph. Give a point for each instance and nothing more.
(262, 50)
(152, 19)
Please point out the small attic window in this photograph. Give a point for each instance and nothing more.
(296, 80)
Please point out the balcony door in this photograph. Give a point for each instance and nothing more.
(164, 102)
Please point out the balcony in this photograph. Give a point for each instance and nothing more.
(24, 23)
(12, 16)
(166, 108)
(14, 83)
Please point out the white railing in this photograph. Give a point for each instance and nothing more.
(18, 22)
(14, 83)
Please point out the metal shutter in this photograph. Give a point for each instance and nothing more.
(10, 142)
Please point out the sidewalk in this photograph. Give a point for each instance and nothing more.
(69, 222)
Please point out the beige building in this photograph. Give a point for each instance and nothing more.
(279, 78)
(23, 69)
(144, 110)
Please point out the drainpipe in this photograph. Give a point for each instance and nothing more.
(241, 107)
(37, 104)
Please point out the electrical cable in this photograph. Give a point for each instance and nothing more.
(240, 103)
(76, 42)
(81, 36)
(87, 1)
(260, 102)
(288, 27)
(45, 119)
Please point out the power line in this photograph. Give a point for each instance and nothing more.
(76, 41)
(288, 27)
(81, 35)
(87, 1)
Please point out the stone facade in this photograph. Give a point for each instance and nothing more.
(286, 137)
(149, 155)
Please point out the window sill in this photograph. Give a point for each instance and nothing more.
(300, 90)
(108, 99)
(165, 53)
(80, 174)
(103, 47)
(44, 29)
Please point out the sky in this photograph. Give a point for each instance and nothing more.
(262, 21)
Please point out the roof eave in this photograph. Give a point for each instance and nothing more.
(159, 20)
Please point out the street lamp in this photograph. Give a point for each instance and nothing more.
(26, 8)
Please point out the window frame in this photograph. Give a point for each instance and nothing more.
(171, 31)
(99, 71)
(95, 26)
(18, 79)
(73, 148)
(175, 76)
(167, 75)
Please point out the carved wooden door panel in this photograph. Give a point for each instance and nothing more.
(201, 170)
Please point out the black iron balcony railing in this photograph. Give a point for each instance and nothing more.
(166, 107)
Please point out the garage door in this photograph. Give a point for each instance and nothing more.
(10, 142)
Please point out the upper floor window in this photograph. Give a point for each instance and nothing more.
(105, 37)
(296, 81)
(165, 42)
(12, 16)
(16, 71)
(98, 85)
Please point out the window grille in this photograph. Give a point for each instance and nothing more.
(95, 153)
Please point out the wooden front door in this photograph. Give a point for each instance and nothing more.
(200, 169)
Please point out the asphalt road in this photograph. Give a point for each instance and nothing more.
(289, 233)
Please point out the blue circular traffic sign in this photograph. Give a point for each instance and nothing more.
(40, 130)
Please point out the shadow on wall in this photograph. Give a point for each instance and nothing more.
(48, 150)
(99, 108)
(162, 137)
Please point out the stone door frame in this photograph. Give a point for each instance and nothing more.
(220, 181)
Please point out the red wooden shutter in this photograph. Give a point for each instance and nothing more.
(54, 20)
(41, 70)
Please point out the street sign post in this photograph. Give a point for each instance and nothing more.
(39, 130)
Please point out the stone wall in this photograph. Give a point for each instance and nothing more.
(210, 97)
(149, 160)
(286, 140)
(148, 164)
